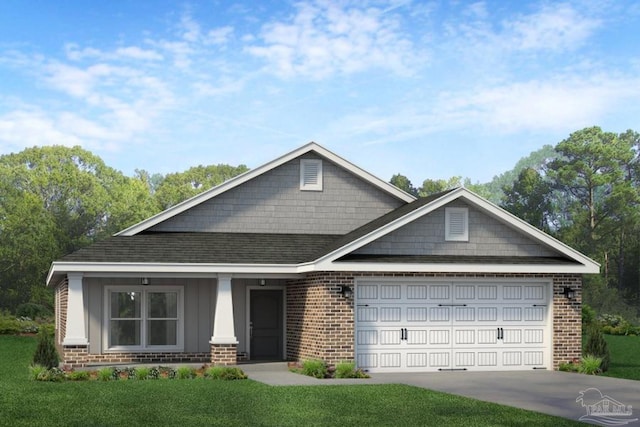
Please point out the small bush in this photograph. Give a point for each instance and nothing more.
(590, 365)
(78, 376)
(35, 371)
(53, 374)
(46, 353)
(572, 366)
(105, 374)
(185, 373)
(167, 372)
(348, 370)
(588, 316)
(154, 373)
(142, 373)
(9, 325)
(227, 373)
(314, 368)
(597, 347)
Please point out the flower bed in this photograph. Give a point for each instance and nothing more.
(40, 373)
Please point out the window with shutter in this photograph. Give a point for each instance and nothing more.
(311, 174)
(456, 224)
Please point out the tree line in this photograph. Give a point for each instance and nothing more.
(585, 191)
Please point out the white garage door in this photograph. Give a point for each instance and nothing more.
(430, 326)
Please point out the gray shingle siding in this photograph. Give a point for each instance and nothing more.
(487, 237)
(274, 203)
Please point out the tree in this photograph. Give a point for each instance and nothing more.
(528, 198)
(177, 187)
(403, 183)
(431, 186)
(55, 200)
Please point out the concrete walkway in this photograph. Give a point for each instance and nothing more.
(548, 392)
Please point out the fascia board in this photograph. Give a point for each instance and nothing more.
(247, 176)
(455, 268)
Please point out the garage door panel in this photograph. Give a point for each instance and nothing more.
(430, 326)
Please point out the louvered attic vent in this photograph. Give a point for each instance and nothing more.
(311, 174)
(456, 226)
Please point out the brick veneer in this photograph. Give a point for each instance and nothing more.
(61, 300)
(224, 354)
(77, 356)
(320, 321)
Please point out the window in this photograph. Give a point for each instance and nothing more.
(144, 318)
(456, 227)
(311, 174)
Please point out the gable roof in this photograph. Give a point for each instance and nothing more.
(240, 179)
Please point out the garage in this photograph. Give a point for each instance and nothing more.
(441, 325)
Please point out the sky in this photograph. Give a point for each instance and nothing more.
(428, 89)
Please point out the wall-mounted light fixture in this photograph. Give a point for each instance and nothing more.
(144, 281)
(263, 282)
(346, 291)
(569, 293)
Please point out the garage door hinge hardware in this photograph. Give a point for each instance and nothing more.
(539, 305)
(452, 305)
(363, 305)
(539, 367)
(452, 369)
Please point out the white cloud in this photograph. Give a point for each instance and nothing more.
(324, 39)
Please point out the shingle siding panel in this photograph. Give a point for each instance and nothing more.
(274, 203)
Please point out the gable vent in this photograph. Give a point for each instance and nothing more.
(311, 174)
(457, 224)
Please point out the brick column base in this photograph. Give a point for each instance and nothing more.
(224, 354)
(75, 356)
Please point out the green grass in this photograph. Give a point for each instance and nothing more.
(232, 403)
(625, 362)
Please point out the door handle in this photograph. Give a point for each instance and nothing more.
(403, 334)
(500, 333)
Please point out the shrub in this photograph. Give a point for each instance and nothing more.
(104, 374)
(569, 367)
(33, 311)
(225, 373)
(588, 316)
(78, 376)
(597, 347)
(167, 372)
(35, 371)
(185, 373)
(9, 325)
(348, 370)
(53, 374)
(590, 365)
(46, 353)
(314, 368)
(142, 373)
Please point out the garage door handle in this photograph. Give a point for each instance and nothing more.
(500, 333)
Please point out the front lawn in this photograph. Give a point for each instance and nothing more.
(228, 403)
(625, 362)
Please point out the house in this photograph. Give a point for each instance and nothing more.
(309, 256)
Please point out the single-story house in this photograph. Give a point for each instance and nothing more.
(310, 256)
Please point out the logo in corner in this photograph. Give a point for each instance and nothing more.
(603, 409)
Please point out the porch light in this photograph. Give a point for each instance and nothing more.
(144, 281)
(569, 293)
(346, 291)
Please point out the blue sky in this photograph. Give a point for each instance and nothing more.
(427, 89)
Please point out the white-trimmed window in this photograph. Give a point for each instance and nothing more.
(144, 318)
(311, 174)
(456, 227)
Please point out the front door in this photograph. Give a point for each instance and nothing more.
(265, 324)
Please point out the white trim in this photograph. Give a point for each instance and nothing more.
(143, 347)
(241, 179)
(223, 321)
(248, 316)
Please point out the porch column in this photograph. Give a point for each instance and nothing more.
(75, 332)
(224, 343)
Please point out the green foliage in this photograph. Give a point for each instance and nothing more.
(9, 325)
(615, 324)
(625, 362)
(314, 368)
(588, 316)
(105, 374)
(403, 183)
(596, 346)
(590, 365)
(33, 311)
(78, 376)
(430, 186)
(569, 367)
(225, 373)
(142, 373)
(528, 198)
(185, 373)
(46, 353)
(348, 370)
(35, 371)
(52, 375)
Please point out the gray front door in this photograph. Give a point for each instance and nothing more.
(266, 324)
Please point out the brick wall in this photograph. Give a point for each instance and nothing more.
(77, 356)
(224, 354)
(61, 300)
(320, 321)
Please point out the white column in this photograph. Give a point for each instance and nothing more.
(223, 329)
(75, 333)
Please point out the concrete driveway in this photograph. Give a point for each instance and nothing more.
(549, 392)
